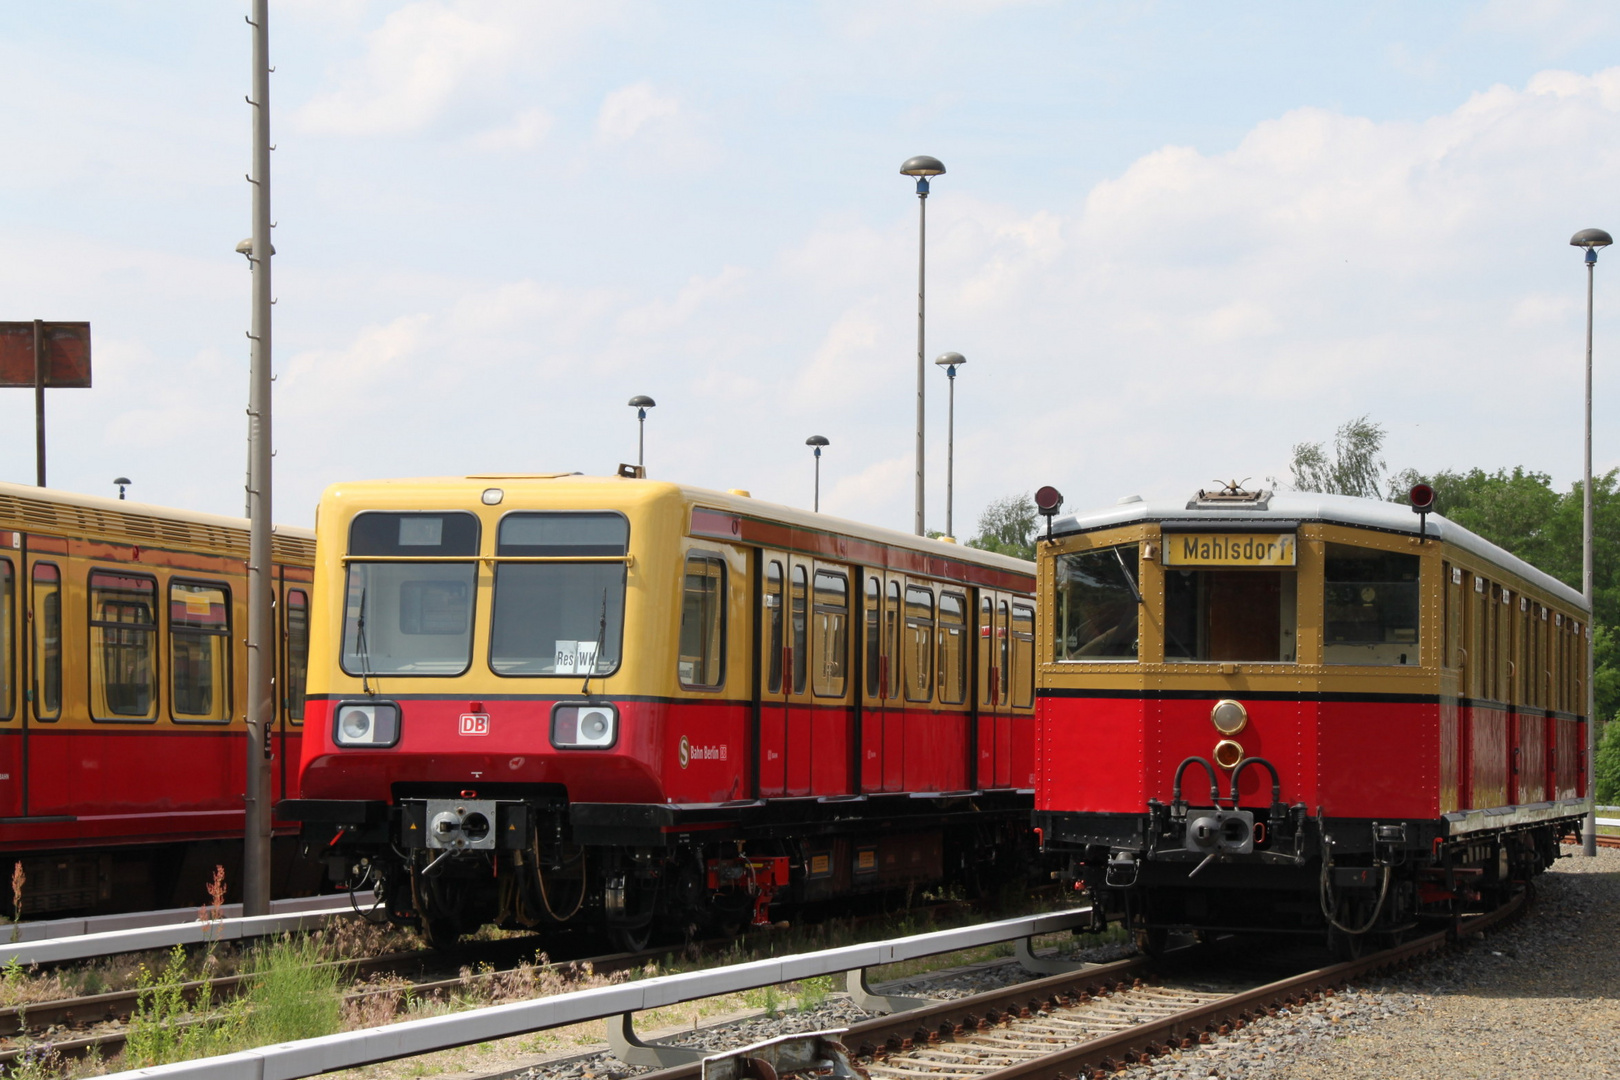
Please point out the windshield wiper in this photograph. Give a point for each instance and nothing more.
(601, 637)
(360, 644)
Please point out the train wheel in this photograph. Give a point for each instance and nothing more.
(1154, 941)
(628, 939)
(438, 905)
(631, 905)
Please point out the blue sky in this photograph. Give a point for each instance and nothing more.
(1174, 240)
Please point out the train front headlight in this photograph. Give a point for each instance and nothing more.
(370, 723)
(584, 726)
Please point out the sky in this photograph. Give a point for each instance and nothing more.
(1173, 241)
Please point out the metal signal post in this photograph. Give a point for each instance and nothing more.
(261, 705)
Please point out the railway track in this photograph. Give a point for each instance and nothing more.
(1084, 1025)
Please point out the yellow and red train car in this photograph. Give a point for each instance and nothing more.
(122, 682)
(559, 700)
(1301, 712)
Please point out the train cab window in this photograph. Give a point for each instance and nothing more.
(919, 643)
(773, 627)
(952, 648)
(1230, 615)
(799, 628)
(891, 640)
(562, 614)
(703, 623)
(296, 653)
(874, 638)
(123, 647)
(199, 651)
(45, 607)
(1023, 646)
(1096, 608)
(410, 618)
(1371, 606)
(831, 633)
(8, 652)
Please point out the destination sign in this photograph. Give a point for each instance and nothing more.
(1229, 549)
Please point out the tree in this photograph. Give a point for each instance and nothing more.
(1355, 467)
(1007, 526)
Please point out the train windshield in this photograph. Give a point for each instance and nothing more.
(1226, 615)
(1097, 602)
(563, 613)
(1372, 606)
(415, 617)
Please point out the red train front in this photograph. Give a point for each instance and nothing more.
(559, 700)
(1301, 712)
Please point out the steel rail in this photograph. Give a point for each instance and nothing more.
(42, 930)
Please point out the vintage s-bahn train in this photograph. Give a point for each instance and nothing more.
(617, 703)
(1301, 712)
(122, 682)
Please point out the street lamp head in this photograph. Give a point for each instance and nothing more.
(1591, 238)
(923, 165)
(245, 249)
(817, 441)
(122, 482)
(642, 401)
(950, 360)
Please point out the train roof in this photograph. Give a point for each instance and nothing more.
(620, 490)
(1270, 509)
(74, 514)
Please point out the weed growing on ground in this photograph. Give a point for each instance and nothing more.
(812, 993)
(291, 993)
(18, 880)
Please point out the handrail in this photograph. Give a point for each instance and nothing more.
(408, 1038)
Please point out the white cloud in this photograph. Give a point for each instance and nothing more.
(525, 131)
(629, 109)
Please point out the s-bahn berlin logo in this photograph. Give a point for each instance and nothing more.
(689, 753)
(1229, 549)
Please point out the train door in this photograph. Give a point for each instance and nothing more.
(921, 741)
(995, 674)
(1021, 721)
(291, 679)
(12, 708)
(774, 679)
(874, 681)
(44, 790)
(830, 721)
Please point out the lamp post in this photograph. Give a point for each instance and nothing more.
(817, 441)
(641, 403)
(1591, 240)
(922, 167)
(122, 482)
(950, 362)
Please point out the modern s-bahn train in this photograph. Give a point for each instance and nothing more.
(1302, 713)
(123, 742)
(623, 704)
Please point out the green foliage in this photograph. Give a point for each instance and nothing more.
(293, 993)
(1355, 467)
(1607, 764)
(1007, 527)
(165, 1026)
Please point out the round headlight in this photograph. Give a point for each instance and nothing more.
(593, 726)
(356, 724)
(1229, 717)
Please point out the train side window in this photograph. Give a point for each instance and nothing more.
(891, 641)
(45, 606)
(919, 643)
(831, 636)
(1003, 654)
(1477, 661)
(1096, 608)
(296, 653)
(701, 662)
(773, 627)
(801, 630)
(1023, 638)
(199, 651)
(987, 657)
(123, 646)
(1371, 606)
(952, 648)
(1505, 690)
(874, 638)
(1454, 616)
(8, 652)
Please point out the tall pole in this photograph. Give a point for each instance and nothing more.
(39, 403)
(641, 438)
(818, 480)
(261, 706)
(922, 270)
(950, 452)
(1589, 833)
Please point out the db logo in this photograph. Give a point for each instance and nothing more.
(685, 752)
(474, 723)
